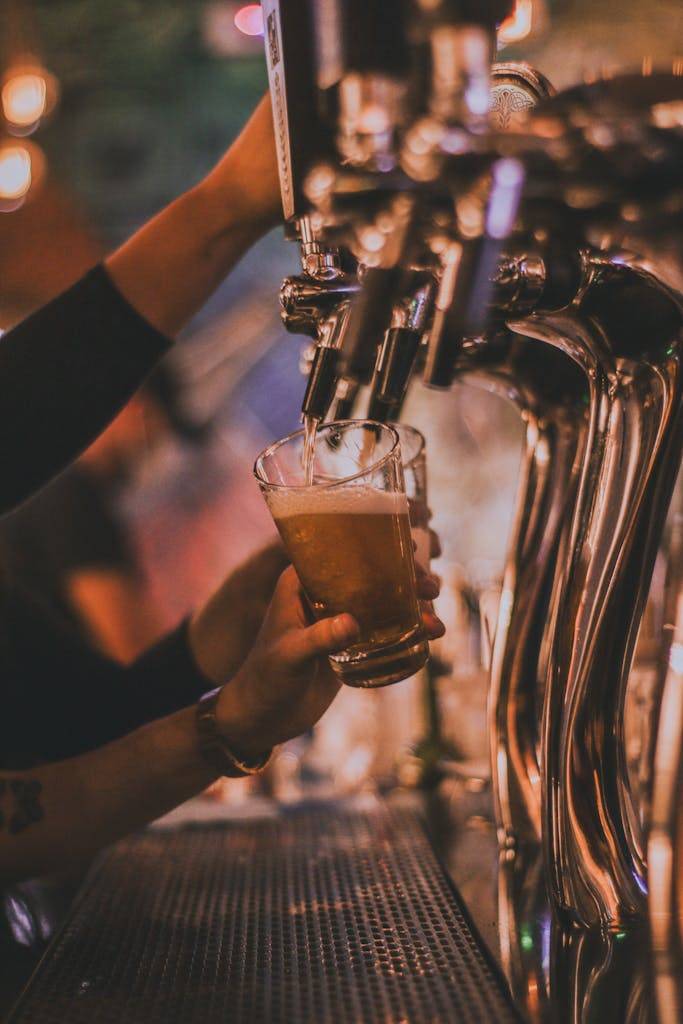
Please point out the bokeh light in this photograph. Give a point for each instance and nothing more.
(249, 20)
(16, 173)
(24, 99)
(518, 25)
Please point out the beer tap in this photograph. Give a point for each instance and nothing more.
(397, 354)
(417, 177)
(317, 303)
(595, 856)
(483, 222)
(372, 109)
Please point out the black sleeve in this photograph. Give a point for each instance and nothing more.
(61, 698)
(65, 372)
(75, 523)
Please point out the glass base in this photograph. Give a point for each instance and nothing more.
(381, 666)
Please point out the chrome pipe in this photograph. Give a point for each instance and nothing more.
(625, 331)
(550, 394)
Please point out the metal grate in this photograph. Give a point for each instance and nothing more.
(321, 915)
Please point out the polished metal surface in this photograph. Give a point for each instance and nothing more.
(558, 973)
(625, 330)
(320, 914)
(532, 213)
(551, 395)
(665, 843)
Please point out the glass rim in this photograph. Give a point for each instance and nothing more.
(422, 442)
(272, 448)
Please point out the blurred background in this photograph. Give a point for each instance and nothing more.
(110, 109)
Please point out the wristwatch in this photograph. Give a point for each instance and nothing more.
(216, 752)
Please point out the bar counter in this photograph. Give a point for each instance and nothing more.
(360, 910)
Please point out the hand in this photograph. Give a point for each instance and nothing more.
(435, 550)
(428, 588)
(222, 631)
(286, 684)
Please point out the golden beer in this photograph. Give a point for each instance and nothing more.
(353, 552)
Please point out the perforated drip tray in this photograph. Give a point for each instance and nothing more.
(320, 915)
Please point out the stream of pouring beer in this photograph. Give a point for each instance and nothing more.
(310, 429)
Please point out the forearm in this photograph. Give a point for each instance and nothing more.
(66, 371)
(86, 699)
(69, 368)
(57, 816)
(169, 268)
(223, 630)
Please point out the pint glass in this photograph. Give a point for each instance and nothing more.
(348, 536)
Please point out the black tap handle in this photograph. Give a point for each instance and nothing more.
(392, 375)
(488, 13)
(322, 383)
(303, 137)
(467, 312)
(370, 317)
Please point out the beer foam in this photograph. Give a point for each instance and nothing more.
(351, 500)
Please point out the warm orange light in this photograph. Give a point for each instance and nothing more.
(24, 99)
(518, 25)
(16, 173)
(249, 20)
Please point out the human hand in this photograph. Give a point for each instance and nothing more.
(222, 632)
(286, 684)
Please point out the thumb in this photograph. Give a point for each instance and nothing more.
(325, 637)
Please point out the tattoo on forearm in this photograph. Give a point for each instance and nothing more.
(20, 804)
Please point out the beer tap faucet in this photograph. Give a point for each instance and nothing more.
(398, 353)
(470, 264)
(489, 243)
(318, 304)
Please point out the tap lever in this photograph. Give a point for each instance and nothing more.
(323, 376)
(392, 373)
(469, 265)
(368, 321)
(322, 383)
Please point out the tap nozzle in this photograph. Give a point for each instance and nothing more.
(392, 373)
(396, 357)
(318, 261)
(369, 319)
(323, 376)
(322, 383)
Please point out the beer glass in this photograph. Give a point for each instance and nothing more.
(348, 536)
(414, 461)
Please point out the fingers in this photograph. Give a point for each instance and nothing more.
(433, 625)
(428, 584)
(329, 636)
(288, 583)
(434, 544)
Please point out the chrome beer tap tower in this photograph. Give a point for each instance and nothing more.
(459, 220)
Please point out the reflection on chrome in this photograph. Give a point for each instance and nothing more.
(550, 393)
(521, 228)
(624, 329)
(665, 846)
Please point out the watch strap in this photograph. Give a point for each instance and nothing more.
(214, 748)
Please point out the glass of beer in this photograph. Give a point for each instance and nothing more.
(414, 456)
(348, 536)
